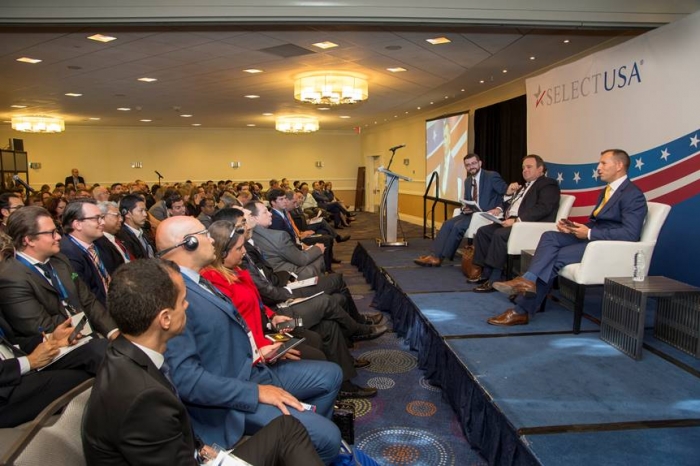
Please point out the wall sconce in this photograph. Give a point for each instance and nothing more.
(136, 164)
(319, 164)
(235, 164)
(406, 162)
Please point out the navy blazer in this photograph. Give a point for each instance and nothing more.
(491, 189)
(82, 264)
(278, 223)
(622, 217)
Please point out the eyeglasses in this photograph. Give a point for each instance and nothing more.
(97, 218)
(204, 232)
(54, 233)
(116, 214)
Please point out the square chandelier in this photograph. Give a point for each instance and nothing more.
(330, 88)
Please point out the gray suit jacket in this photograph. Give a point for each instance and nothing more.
(282, 254)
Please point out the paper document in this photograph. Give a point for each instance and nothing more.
(294, 301)
(315, 220)
(493, 218)
(67, 349)
(302, 283)
(471, 204)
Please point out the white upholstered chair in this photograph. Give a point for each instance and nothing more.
(604, 259)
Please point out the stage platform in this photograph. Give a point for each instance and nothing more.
(537, 394)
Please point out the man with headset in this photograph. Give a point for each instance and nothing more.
(132, 234)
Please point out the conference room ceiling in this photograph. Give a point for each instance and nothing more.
(200, 70)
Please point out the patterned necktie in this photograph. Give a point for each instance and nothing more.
(519, 194)
(606, 196)
(165, 370)
(101, 270)
(475, 191)
(123, 249)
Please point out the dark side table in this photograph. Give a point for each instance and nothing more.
(677, 315)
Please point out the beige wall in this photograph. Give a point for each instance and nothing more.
(104, 155)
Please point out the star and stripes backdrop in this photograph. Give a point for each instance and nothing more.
(641, 96)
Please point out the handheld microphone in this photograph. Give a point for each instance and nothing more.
(23, 183)
(397, 147)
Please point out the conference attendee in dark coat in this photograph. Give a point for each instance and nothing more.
(132, 234)
(535, 201)
(134, 414)
(484, 187)
(75, 179)
(38, 288)
(618, 216)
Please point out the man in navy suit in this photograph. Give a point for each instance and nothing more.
(484, 187)
(618, 216)
(217, 368)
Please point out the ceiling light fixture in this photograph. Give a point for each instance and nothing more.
(397, 69)
(250, 125)
(38, 124)
(532, 57)
(253, 71)
(186, 115)
(124, 109)
(296, 124)
(438, 40)
(251, 96)
(18, 106)
(148, 80)
(101, 38)
(345, 116)
(33, 61)
(73, 94)
(196, 124)
(325, 45)
(94, 119)
(268, 114)
(331, 88)
(566, 41)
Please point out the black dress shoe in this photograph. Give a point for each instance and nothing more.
(370, 332)
(350, 390)
(485, 287)
(375, 318)
(479, 280)
(338, 227)
(342, 239)
(360, 363)
(335, 261)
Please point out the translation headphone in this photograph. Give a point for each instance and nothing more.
(190, 243)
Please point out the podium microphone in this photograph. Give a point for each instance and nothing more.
(397, 147)
(158, 173)
(23, 183)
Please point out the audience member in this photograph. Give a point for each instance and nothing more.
(75, 179)
(9, 203)
(132, 234)
(114, 253)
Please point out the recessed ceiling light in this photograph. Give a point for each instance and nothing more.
(325, 45)
(251, 124)
(146, 121)
(29, 60)
(18, 106)
(397, 69)
(406, 111)
(186, 115)
(566, 41)
(462, 90)
(446, 97)
(73, 94)
(505, 71)
(431, 103)
(101, 38)
(148, 80)
(124, 109)
(253, 71)
(196, 124)
(251, 96)
(94, 119)
(323, 108)
(417, 108)
(396, 116)
(481, 82)
(268, 114)
(345, 116)
(438, 40)
(532, 57)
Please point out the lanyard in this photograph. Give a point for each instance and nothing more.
(54, 281)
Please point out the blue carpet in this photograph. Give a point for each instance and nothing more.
(548, 380)
(466, 314)
(652, 447)
(678, 355)
(433, 280)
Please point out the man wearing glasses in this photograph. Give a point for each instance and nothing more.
(83, 224)
(39, 289)
(484, 187)
(9, 202)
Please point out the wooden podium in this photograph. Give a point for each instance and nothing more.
(388, 209)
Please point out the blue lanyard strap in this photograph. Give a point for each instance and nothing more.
(54, 281)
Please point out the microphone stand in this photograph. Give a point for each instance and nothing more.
(393, 153)
(159, 178)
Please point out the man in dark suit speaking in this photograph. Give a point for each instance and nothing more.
(74, 178)
(484, 187)
(148, 424)
(618, 216)
(535, 201)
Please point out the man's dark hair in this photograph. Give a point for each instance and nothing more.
(138, 291)
(203, 202)
(621, 156)
(274, 193)
(228, 213)
(23, 222)
(128, 203)
(253, 206)
(539, 161)
(114, 185)
(74, 211)
(173, 198)
(60, 185)
(301, 186)
(5, 199)
(471, 155)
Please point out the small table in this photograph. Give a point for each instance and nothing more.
(677, 316)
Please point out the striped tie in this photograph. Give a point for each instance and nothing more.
(101, 271)
(606, 196)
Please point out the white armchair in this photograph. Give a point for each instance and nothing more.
(609, 259)
(526, 235)
(478, 221)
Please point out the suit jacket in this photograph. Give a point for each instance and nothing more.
(540, 203)
(321, 198)
(622, 217)
(205, 219)
(109, 253)
(282, 254)
(279, 224)
(490, 190)
(212, 366)
(82, 265)
(159, 210)
(69, 180)
(132, 243)
(29, 301)
(10, 374)
(133, 416)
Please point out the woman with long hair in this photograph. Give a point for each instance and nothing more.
(56, 206)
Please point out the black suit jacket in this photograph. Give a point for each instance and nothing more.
(133, 416)
(69, 180)
(278, 223)
(29, 301)
(82, 265)
(110, 255)
(541, 202)
(132, 243)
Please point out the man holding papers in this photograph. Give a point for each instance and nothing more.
(482, 187)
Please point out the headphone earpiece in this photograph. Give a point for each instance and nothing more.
(124, 212)
(190, 243)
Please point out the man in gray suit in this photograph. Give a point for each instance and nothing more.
(279, 250)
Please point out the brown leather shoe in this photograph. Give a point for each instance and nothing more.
(509, 318)
(517, 285)
(485, 287)
(428, 261)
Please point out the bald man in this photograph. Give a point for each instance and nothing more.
(217, 367)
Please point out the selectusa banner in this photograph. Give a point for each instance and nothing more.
(642, 96)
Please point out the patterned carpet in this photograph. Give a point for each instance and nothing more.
(407, 423)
